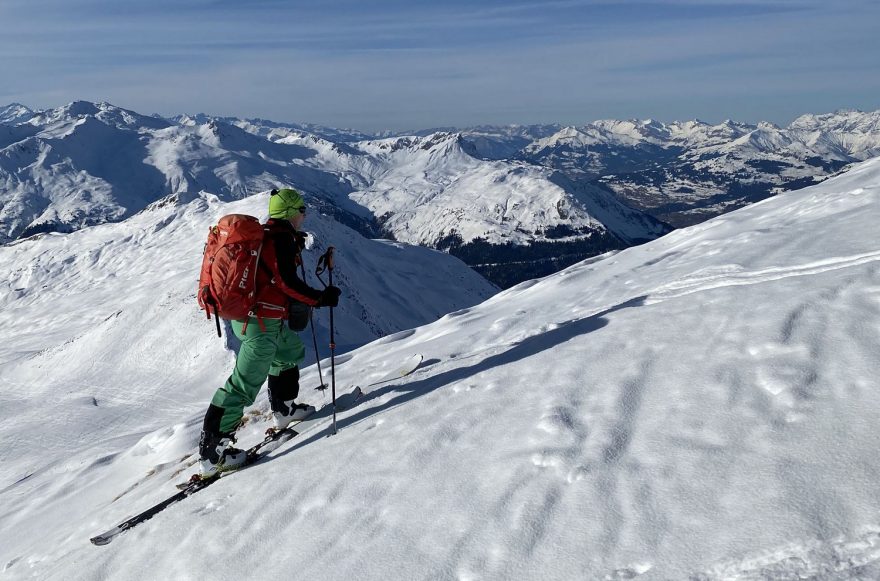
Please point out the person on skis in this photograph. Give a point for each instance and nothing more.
(269, 347)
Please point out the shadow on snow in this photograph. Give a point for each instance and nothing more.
(524, 349)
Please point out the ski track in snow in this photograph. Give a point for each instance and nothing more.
(734, 276)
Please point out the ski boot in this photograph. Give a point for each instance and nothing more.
(217, 454)
(290, 411)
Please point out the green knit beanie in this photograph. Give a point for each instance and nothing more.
(285, 203)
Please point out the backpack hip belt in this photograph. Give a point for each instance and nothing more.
(262, 311)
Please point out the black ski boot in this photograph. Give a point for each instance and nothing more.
(283, 390)
(215, 447)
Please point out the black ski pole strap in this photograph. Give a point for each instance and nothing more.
(213, 304)
(325, 262)
(302, 270)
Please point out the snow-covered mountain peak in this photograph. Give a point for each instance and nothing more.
(329, 149)
(441, 143)
(768, 126)
(14, 113)
(525, 185)
(446, 143)
(698, 134)
(106, 113)
(631, 132)
(186, 120)
(80, 109)
(765, 138)
(846, 120)
(569, 137)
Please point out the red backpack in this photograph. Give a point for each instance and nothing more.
(228, 281)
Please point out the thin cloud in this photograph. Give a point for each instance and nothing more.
(412, 64)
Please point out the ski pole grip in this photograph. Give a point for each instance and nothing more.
(325, 262)
(330, 253)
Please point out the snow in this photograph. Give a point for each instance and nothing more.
(699, 407)
(90, 163)
(843, 135)
(100, 311)
(14, 113)
(425, 189)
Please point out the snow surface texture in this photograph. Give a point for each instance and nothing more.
(700, 407)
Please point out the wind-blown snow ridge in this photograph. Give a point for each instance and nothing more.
(701, 407)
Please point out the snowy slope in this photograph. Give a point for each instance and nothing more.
(700, 407)
(70, 301)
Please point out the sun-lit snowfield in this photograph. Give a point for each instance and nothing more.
(704, 406)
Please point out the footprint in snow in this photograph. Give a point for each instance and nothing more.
(210, 507)
(630, 572)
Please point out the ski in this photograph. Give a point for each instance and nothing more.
(254, 454)
(408, 367)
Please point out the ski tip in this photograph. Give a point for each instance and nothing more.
(101, 540)
(416, 361)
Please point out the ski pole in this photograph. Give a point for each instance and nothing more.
(326, 262)
(323, 386)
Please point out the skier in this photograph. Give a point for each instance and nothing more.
(269, 347)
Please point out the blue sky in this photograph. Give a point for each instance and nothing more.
(417, 64)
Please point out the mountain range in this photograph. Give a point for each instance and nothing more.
(702, 406)
(685, 172)
(513, 202)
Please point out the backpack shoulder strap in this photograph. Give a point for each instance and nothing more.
(261, 263)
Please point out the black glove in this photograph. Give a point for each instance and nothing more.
(329, 297)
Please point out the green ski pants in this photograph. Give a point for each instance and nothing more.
(262, 353)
